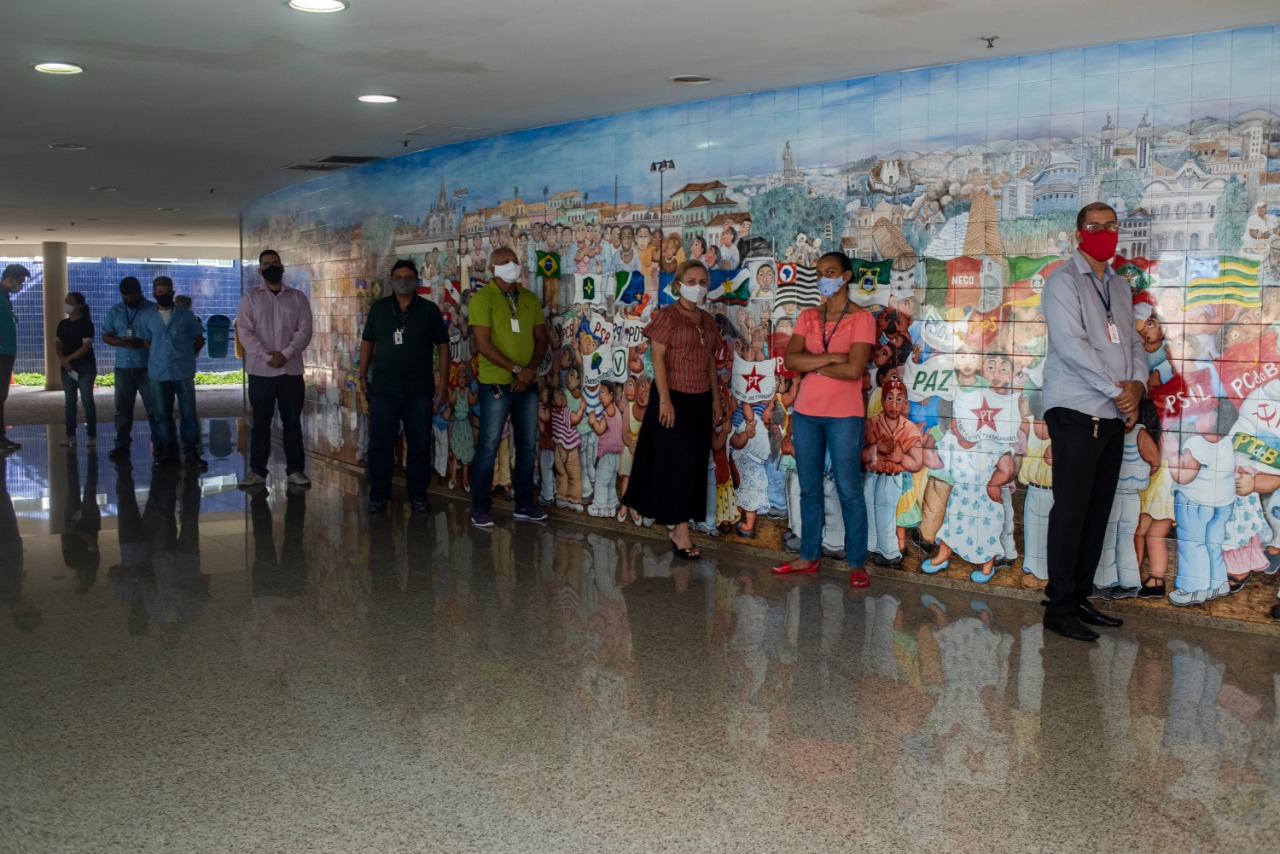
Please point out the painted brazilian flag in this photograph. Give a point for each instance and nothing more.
(1226, 280)
(548, 265)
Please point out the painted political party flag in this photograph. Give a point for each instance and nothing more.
(1256, 433)
(1226, 280)
(753, 381)
(731, 287)
(629, 287)
(452, 292)
(1192, 393)
(981, 413)
(870, 283)
(548, 265)
(588, 288)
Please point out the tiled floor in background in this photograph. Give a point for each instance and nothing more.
(290, 674)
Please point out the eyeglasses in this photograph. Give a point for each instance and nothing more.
(1095, 227)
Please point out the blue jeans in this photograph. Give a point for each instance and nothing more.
(83, 386)
(130, 383)
(1201, 530)
(815, 438)
(163, 393)
(386, 413)
(522, 407)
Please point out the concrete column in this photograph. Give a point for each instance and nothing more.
(55, 295)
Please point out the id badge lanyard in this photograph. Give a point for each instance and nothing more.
(402, 318)
(1104, 294)
(513, 300)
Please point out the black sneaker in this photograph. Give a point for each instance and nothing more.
(118, 454)
(197, 462)
(376, 507)
(420, 505)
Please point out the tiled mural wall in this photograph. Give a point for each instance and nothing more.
(954, 189)
(213, 288)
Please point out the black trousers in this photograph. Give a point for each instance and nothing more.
(1086, 469)
(266, 394)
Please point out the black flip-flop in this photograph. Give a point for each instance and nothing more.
(687, 554)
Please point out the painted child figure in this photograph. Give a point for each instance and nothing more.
(564, 430)
(1203, 469)
(608, 428)
(546, 450)
(1119, 574)
(893, 452)
(1036, 474)
(750, 449)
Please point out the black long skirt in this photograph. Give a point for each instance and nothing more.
(669, 473)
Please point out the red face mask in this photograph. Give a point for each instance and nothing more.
(1099, 245)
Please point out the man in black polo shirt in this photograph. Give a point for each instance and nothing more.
(399, 334)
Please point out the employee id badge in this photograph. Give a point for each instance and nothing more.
(1113, 333)
(515, 325)
(128, 333)
(398, 337)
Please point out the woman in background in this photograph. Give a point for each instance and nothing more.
(74, 346)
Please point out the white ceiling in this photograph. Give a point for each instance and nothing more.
(198, 105)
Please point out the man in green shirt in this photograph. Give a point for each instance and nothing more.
(10, 283)
(511, 335)
(399, 336)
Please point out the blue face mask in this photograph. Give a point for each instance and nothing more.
(829, 287)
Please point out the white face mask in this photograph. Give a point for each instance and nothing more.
(693, 293)
(68, 308)
(508, 272)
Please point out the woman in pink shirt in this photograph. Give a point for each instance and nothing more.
(830, 347)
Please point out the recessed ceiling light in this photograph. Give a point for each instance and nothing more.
(67, 146)
(105, 189)
(690, 79)
(57, 68)
(318, 7)
(168, 209)
(178, 234)
(51, 229)
(161, 243)
(378, 99)
(94, 219)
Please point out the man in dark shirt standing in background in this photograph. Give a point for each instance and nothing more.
(397, 343)
(10, 283)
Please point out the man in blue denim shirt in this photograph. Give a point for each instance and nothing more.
(120, 331)
(174, 337)
(1094, 374)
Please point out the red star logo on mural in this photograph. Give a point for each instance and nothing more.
(753, 379)
(986, 415)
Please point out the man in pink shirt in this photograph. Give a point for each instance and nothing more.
(273, 326)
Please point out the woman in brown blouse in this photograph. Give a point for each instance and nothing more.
(668, 476)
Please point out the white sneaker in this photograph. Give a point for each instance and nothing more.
(299, 479)
(252, 479)
(1183, 598)
(69, 442)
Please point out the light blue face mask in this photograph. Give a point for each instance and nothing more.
(830, 287)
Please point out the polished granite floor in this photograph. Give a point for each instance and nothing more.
(186, 668)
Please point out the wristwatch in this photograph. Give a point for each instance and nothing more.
(516, 369)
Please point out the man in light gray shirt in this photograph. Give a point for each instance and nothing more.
(1093, 382)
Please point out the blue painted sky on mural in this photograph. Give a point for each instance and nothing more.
(1065, 94)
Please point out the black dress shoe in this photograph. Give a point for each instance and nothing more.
(1094, 617)
(1069, 626)
(887, 562)
(1275, 613)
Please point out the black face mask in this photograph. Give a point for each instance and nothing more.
(273, 274)
(165, 301)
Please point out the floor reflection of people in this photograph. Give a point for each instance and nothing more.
(181, 590)
(132, 580)
(82, 520)
(26, 616)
